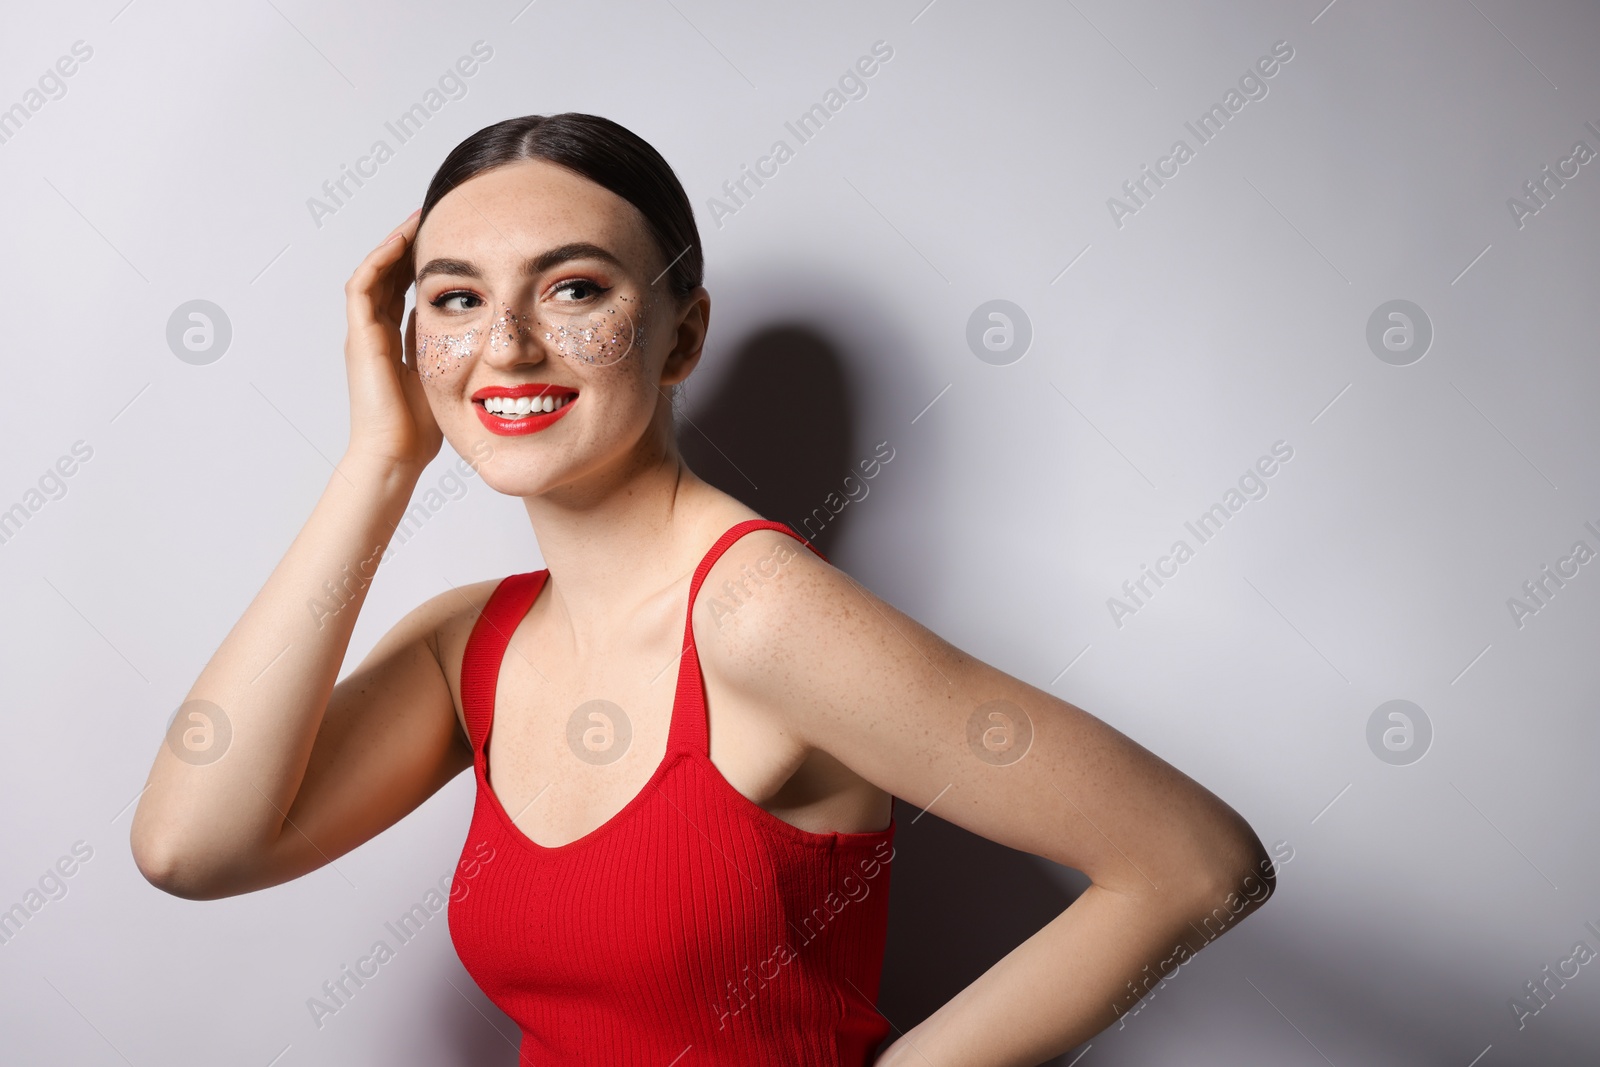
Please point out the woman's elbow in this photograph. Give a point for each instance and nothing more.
(161, 866)
(1238, 878)
(167, 867)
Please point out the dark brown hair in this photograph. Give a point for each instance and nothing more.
(608, 154)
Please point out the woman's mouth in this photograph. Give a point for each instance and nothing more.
(523, 409)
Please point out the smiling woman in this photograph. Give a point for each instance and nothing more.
(665, 852)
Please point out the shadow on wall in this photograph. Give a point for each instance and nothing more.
(779, 429)
(804, 407)
(957, 903)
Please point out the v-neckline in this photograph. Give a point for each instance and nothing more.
(541, 579)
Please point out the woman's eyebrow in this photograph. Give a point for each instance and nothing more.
(535, 265)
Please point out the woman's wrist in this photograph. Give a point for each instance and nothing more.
(386, 471)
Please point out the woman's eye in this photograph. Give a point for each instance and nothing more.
(588, 288)
(445, 301)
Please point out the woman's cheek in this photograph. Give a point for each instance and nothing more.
(602, 338)
(440, 355)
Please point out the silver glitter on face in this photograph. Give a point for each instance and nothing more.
(601, 339)
(596, 338)
(505, 330)
(441, 353)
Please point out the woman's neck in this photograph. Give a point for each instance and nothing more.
(615, 546)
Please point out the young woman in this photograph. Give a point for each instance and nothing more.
(681, 843)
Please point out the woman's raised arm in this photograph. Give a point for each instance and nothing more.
(294, 771)
(912, 714)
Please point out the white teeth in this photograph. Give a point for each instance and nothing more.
(509, 408)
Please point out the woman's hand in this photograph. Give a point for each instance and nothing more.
(390, 420)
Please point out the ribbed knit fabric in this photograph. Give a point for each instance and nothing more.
(693, 927)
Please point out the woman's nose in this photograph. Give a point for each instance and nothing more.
(512, 335)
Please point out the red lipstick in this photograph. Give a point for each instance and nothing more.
(525, 424)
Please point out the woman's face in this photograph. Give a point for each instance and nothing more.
(539, 333)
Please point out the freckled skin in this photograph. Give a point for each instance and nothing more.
(439, 353)
(508, 329)
(598, 339)
(604, 338)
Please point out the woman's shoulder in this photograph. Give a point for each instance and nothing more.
(450, 617)
(764, 593)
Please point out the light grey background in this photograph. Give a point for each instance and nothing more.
(1169, 353)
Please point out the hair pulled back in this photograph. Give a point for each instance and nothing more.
(608, 154)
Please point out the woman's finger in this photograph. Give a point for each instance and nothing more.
(410, 347)
(363, 296)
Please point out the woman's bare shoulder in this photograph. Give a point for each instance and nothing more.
(446, 619)
(752, 568)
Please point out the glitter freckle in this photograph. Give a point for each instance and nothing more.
(602, 340)
(605, 339)
(444, 349)
(504, 331)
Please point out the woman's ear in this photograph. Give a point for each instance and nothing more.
(688, 327)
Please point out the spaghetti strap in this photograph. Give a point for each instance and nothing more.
(486, 647)
(689, 730)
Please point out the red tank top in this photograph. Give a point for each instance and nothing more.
(693, 927)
